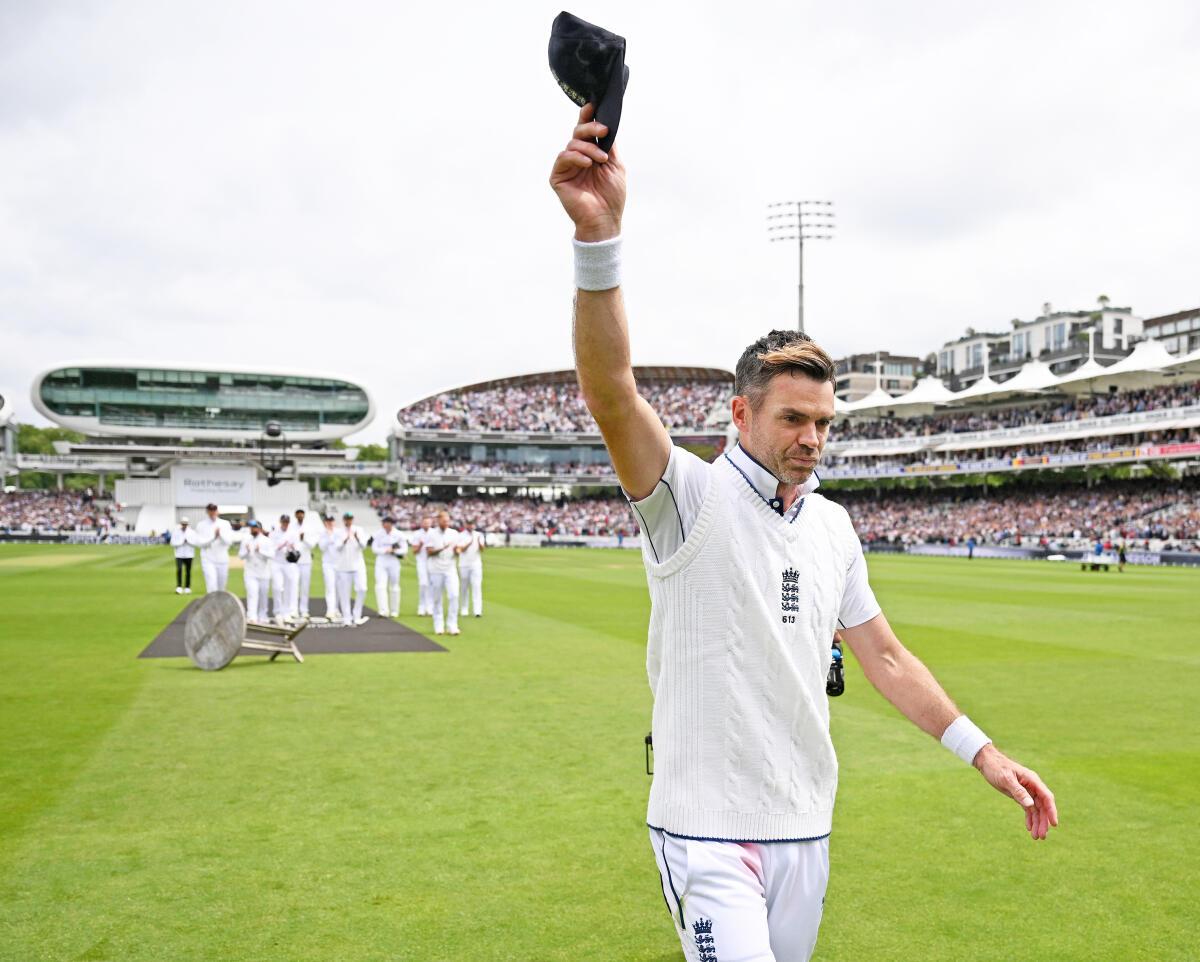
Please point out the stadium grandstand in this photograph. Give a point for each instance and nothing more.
(176, 437)
(521, 455)
(1033, 457)
(533, 432)
(167, 401)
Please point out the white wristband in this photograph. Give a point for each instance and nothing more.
(964, 738)
(598, 264)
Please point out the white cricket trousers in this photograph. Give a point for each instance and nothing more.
(387, 585)
(444, 583)
(258, 590)
(345, 581)
(472, 588)
(285, 578)
(303, 587)
(424, 595)
(329, 573)
(743, 901)
(216, 575)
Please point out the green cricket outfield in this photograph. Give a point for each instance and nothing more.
(487, 803)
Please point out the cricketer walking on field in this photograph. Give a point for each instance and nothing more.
(214, 535)
(285, 574)
(389, 545)
(442, 545)
(351, 544)
(304, 566)
(750, 572)
(470, 569)
(417, 542)
(256, 551)
(327, 542)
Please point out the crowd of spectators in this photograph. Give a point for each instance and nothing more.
(1027, 514)
(556, 407)
(465, 466)
(1097, 406)
(1136, 511)
(28, 511)
(483, 469)
(1072, 446)
(514, 515)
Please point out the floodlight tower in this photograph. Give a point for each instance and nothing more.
(800, 220)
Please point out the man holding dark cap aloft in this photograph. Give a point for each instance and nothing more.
(750, 572)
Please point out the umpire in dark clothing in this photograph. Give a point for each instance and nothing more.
(183, 541)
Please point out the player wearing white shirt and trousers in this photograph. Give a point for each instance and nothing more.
(304, 566)
(214, 535)
(389, 546)
(327, 542)
(183, 540)
(417, 541)
(351, 543)
(750, 572)
(285, 572)
(470, 568)
(442, 544)
(256, 552)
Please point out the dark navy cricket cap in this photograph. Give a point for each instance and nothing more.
(589, 64)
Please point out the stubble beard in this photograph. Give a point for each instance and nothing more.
(791, 475)
(794, 476)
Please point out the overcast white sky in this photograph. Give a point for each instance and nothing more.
(362, 190)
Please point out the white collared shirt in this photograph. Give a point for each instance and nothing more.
(447, 539)
(213, 538)
(327, 542)
(350, 542)
(668, 514)
(303, 540)
(471, 555)
(257, 551)
(183, 540)
(389, 544)
(283, 540)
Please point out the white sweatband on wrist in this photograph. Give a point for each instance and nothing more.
(964, 738)
(598, 264)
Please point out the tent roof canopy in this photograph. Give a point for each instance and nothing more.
(1147, 364)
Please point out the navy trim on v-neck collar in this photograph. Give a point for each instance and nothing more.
(772, 500)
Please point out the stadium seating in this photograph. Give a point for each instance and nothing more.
(1024, 415)
(53, 511)
(1032, 513)
(555, 407)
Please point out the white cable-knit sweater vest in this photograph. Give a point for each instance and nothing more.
(742, 617)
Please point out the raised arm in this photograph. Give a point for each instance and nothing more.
(591, 186)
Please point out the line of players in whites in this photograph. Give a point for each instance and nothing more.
(278, 566)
